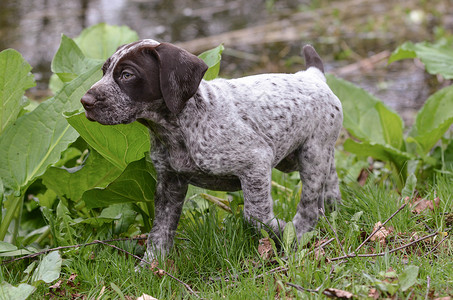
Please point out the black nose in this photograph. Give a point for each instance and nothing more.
(88, 100)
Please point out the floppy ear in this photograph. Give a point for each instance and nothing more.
(180, 74)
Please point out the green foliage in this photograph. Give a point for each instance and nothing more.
(119, 144)
(107, 168)
(365, 116)
(380, 130)
(15, 78)
(101, 41)
(49, 268)
(433, 120)
(405, 280)
(47, 271)
(21, 292)
(38, 138)
(95, 172)
(136, 184)
(212, 59)
(437, 57)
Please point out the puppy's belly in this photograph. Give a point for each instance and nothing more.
(227, 183)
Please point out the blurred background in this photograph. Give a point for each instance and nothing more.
(354, 37)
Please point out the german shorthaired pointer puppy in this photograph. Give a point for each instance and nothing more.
(223, 134)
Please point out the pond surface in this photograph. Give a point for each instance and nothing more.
(259, 36)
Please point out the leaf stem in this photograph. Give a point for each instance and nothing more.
(10, 212)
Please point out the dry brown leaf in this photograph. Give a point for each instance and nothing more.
(320, 242)
(146, 297)
(336, 293)
(319, 253)
(141, 239)
(72, 277)
(374, 293)
(363, 176)
(78, 296)
(419, 205)
(101, 293)
(70, 280)
(265, 248)
(154, 264)
(56, 285)
(170, 266)
(414, 236)
(159, 272)
(381, 234)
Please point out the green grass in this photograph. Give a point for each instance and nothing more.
(216, 253)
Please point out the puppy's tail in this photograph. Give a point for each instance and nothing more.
(312, 58)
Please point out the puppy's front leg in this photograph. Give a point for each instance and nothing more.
(168, 203)
(258, 203)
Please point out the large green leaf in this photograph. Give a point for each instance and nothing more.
(69, 61)
(101, 41)
(37, 139)
(93, 45)
(119, 144)
(409, 277)
(15, 78)
(378, 151)
(366, 117)
(212, 59)
(1, 197)
(433, 120)
(49, 268)
(96, 171)
(7, 247)
(438, 58)
(136, 184)
(10, 292)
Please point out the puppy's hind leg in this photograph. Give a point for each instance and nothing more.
(258, 203)
(314, 168)
(332, 193)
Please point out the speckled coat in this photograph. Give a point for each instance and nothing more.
(223, 134)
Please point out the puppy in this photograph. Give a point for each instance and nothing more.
(223, 134)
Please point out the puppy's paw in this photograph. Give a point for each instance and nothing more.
(277, 226)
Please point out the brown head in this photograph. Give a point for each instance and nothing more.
(142, 77)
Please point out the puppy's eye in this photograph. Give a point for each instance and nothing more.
(126, 75)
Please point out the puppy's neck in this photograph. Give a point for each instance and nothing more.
(166, 129)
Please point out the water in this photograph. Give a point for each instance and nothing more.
(260, 36)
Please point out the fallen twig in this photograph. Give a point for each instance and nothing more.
(435, 247)
(69, 247)
(428, 283)
(379, 228)
(383, 253)
(302, 289)
(216, 201)
(364, 64)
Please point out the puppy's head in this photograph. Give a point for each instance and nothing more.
(141, 77)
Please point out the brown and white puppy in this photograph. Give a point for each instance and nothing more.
(223, 134)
